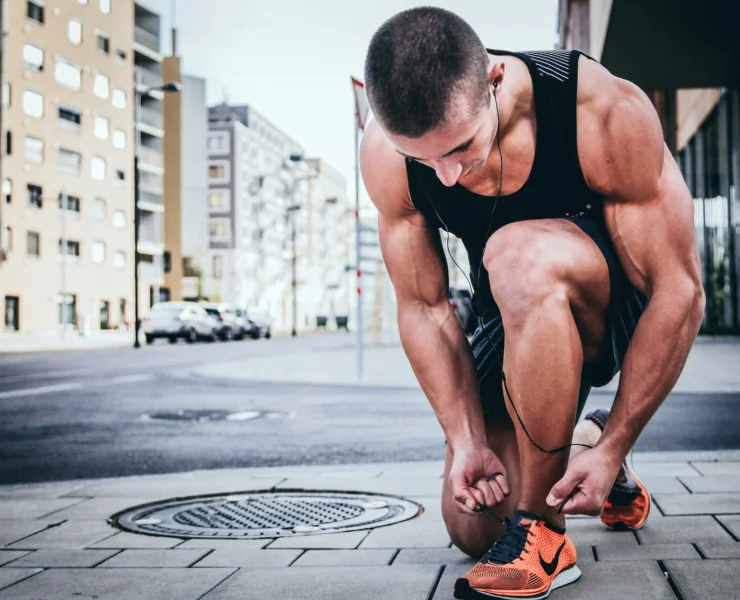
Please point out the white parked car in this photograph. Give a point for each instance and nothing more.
(179, 320)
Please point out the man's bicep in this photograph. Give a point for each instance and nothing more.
(414, 258)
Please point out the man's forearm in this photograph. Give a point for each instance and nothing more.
(651, 366)
(442, 360)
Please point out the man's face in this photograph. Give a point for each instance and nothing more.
(457, 149)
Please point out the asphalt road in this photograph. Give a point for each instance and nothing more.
(88, 414)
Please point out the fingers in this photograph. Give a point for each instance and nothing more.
(565, 488)
(466, 502)
(580, 503)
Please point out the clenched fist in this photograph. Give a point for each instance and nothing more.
(477, 480)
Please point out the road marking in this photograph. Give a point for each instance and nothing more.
(48, 389)
(140, 378)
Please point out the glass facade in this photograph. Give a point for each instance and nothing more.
(710, 163)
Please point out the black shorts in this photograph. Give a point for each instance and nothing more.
(626, 305)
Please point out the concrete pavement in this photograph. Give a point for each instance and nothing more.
(55, 542)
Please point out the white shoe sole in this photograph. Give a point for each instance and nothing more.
(566, 577)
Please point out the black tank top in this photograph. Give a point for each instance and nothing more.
(555, 187)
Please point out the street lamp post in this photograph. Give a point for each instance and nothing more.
(139, 91)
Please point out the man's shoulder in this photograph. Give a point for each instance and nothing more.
(383, 172)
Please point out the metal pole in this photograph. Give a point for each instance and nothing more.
(63, 216)
(293, 262)
(358, 257)
(137, 213)
(3, 212)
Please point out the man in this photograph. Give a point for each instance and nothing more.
(580, 234)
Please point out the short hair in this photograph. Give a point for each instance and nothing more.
(417, 63)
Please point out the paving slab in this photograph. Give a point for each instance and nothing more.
(616, 581)
(14, 530)
(646, 552)
(718, 467)
(713, 484)
(330, 541)
(70, 534)
(249, 558)
(64, 558)
(718, 550)
(433, 556)
(341, 558)
(100, 508)
(662, 484)
(705, 578)
(33, 508)
(117, 584)
(732, 522)
(335, 583)
(10, 576)
(426, 530)
(396, 486)
(125, 540)
(698, 504)
(591, 532)
(166, 488)
(51, 489)
(678, 530)
(662, 469)
(166, 559)
(235, 544)
(7, 556)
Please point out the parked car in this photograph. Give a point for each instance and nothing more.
(230, 326)
(463, 304)
(255, 326)
(178, 320)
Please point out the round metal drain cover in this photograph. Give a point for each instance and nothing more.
(266, 515)
(204, 416)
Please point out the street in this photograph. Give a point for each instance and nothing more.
(88, 414)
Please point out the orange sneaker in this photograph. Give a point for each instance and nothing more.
(628, 505)
(529, 560)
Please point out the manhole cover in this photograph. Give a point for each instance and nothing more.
(209, 415)
(265, 515)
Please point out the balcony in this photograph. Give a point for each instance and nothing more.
(146, 39)
(155, 198)
(151, 156)
(152, 118)
(148, 78)
(149, 233)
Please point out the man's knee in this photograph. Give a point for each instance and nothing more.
(473, 542)
(525, 270)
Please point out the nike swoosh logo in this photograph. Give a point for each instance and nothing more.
(550, 567)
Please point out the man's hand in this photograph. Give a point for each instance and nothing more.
(477, 480)
(586, 483)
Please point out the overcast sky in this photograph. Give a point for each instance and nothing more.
(292, 59)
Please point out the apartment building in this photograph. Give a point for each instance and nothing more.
(67, 160)
(685, 55)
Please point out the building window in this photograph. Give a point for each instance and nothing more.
(8, 241)
(103, 43)
(67, 74)
(101, 127)
(69, 118)
(35, 11)
(100, 88)
(33, 57)
(218, 142)
(35, 195)
(217, 229)
(33, 104)
(99, 209)
(119, 138)
(218, 270)
(69, 203)
(33, 243)
(120, 175)
(74, 32)
(120, 56)
(119, 219)
(69, 161)
(8, 143)
(217, 200)
(216, 172)
(98, 252)
(70, 248)
(105, 6)
(97, 168)
(34, 150)
(7, 190)
(67, 309)
(119, 259)
(6, 94)
(119, 99)
(81, 1)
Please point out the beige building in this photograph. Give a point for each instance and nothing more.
(685, 55)
(67, 163)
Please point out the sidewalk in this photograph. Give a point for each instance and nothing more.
(55, 542)
(13, 343)
(713, 366)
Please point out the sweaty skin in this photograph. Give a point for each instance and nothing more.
(649, 216)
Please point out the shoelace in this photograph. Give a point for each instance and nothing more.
(510, 545)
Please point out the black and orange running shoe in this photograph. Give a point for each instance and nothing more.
(529, 560)
(628, 505)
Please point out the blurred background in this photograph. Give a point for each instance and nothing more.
(177, 171)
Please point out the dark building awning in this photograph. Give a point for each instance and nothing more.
(674, 43)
